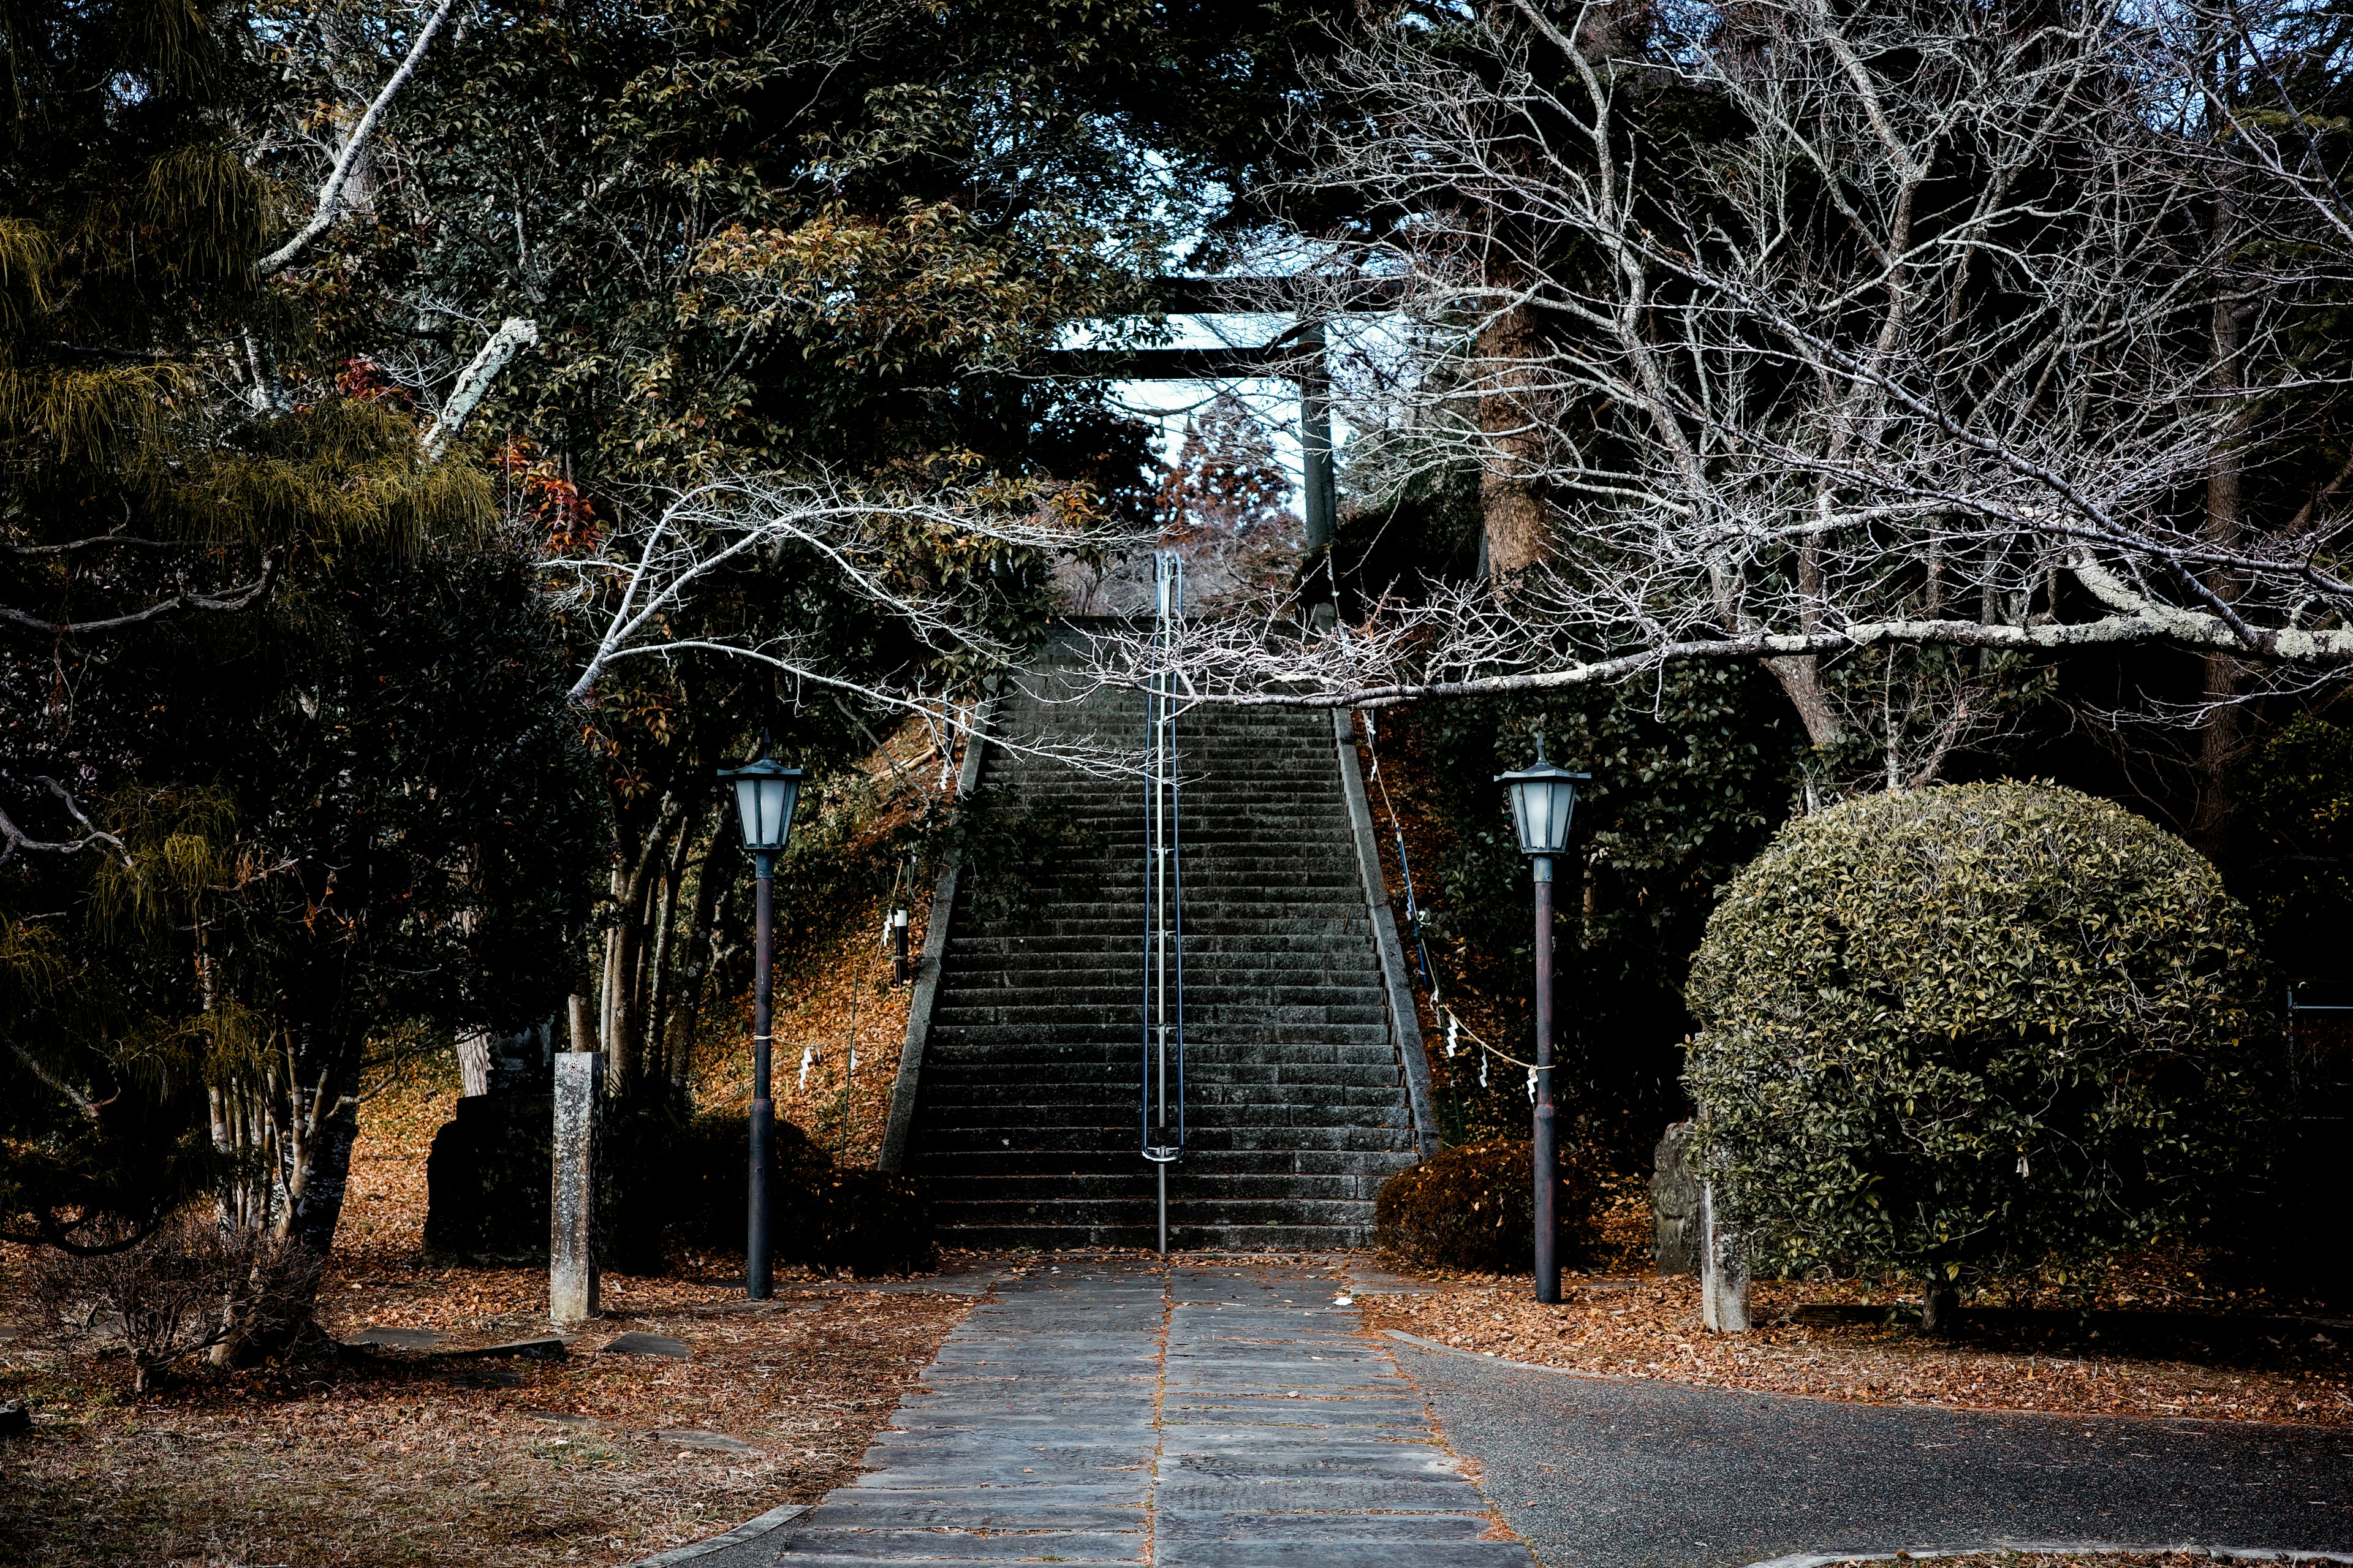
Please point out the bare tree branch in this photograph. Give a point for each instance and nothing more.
(329, 205)
(509, 339)
(1824, 336)
(272, 565)
(18, 840)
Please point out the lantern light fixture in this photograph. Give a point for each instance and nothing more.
(1543, 801)
(765, 793)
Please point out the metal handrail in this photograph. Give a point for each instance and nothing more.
(1164, 896)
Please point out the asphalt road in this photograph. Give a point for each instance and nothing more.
(1598, 1474)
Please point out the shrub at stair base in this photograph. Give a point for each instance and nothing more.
(667, 1177)
(1995, 1031)
(844, 1219)
(1474, 1208)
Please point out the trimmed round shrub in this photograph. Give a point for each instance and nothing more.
(1474, 1208)
(1989, 1030)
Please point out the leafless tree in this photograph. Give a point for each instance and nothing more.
(633, 588)
(173, 1292)
(1875, 342)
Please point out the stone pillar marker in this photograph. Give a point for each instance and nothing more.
(1674, 1204)
(572, 1240)
(1723, 1270)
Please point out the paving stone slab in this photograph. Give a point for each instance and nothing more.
(1182, 1524)
(397, 1339)
(1390, 1494)
(558, 1418)
(711, 1442)
(637, 1343)
(984, 1510)
(1014, 1546)
(546, 1349)
(1344, 1554)
(1066, 1413)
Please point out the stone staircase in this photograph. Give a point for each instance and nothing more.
(1026, 1121)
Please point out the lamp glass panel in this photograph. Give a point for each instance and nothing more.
(769, 790)
(747, 809)
(1559, 801)
(787, 792)
(1520, 808)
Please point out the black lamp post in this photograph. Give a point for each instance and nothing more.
(1544, 798)
(765, 792)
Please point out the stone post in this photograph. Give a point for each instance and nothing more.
(1674, 1204)
(1723, 1270)
(572, 1240)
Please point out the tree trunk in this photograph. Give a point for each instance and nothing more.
(1800, 676)
(1510, 501)
(658, 982)
(622, 1005)
(474, 1064)
(2219, 731)
(620, 966)
(2219, 727)
(702, 947)
(290, 1125)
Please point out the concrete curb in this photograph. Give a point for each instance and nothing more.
(906, 1086)
(1405, 1017)
(2054, 1548)
(1486, 1360)
(775, 1518)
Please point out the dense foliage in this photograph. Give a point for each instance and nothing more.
(1474, 1208)
(2294, 845)
(1689, 781)
(283, 773)
(1977, 1031)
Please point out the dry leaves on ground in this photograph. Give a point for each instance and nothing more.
(396, 1458)
(401, 1458)
(1647, 1326)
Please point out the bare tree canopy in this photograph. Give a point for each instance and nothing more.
(1787, 331)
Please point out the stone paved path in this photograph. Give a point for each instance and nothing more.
(1194, 1416)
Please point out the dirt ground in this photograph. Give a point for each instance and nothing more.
(398, 1457)
(1622, 1321)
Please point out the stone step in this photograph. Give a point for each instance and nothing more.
(1142, 1233)
(1227, 1190)
(1028, 1123)
(1082, 1211)
(1122, 1051)
(1123, 1161)
(1268, 946)
(1196, 924)
(1244, 975)
(975, 1100)
(1201, 1055)
(1113, 1032)
(1325, 1125)
(1118, 1132)
(1058, 1003)
(1111, 892)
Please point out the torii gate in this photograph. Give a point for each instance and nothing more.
(1299, 355)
